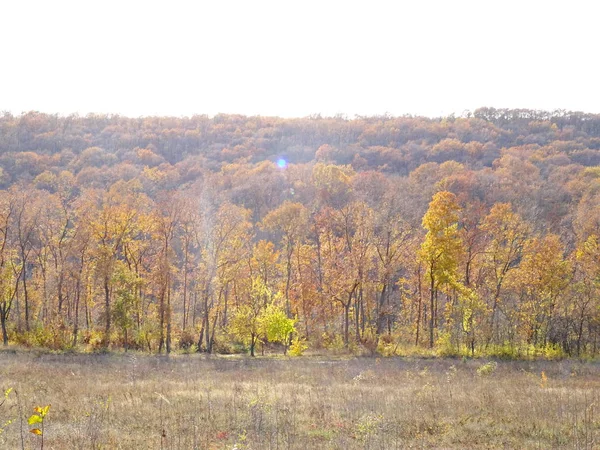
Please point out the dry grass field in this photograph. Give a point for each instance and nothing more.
(132, 401)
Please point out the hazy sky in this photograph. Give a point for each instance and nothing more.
(295, 58)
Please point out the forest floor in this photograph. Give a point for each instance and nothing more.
(135, 401)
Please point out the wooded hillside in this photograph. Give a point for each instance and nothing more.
(475, 234)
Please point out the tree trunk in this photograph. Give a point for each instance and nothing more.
(419, 306)
(185, 285)
(288, 309)
(201, 337)
(25, 294)
(3, 318)
(380, 306)
(161, 341)
(76, 319)
(347, 320)
(207, 321)
(168, 315)
(431, 309)
(212, 336)
(107, 309)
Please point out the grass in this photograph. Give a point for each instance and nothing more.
(134, 401)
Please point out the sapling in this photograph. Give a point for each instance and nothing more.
(9, 421)
(38, 417)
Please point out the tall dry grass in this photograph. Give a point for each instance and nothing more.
(192, 402)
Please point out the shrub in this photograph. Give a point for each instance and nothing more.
(298, 347)
(186, 340)
(487, 369)
(444, 345)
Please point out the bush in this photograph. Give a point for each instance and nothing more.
(55, 336)
(93, 338)
(298, 347)
(487, 369)
(186, 340)
(444, 346)
(504, 351)
(335, 342)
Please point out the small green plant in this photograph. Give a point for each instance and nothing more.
(241, 441)
(487, 369)
(368, 425)
(38, 416)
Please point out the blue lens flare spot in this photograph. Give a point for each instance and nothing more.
(281, 163)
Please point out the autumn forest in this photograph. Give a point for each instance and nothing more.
(471, 235)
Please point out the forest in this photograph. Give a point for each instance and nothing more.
(470, 235)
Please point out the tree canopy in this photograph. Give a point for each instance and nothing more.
(475, 233)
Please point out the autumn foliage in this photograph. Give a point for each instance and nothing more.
(466, 235)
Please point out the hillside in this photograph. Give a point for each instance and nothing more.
(475, 234)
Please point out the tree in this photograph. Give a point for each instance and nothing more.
(539, 281)
(390, 238)
(290, 219)
(80, 268)
(276, 325)
(344, 242)
(125, 285)
(166, 222)
(224, 245)
(583, 306)
(506, 236)
(26, 214)
(10, 270)
(441, 250)
(247, 320)
(114, 224)
(9, 264)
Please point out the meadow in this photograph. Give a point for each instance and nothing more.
(136, 401)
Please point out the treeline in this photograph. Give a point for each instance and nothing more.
(476, 234)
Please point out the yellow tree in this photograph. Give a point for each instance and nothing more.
(55, 233)
(306, 292)
(506, 234)
(224, 243)
(188, 230)
(114, 223)
(538, 282)
(356, 225)
(80, 266)
(440, 250)
(26, 228)
(166, 220)
(139, 253)
(9, 265)
(333, 183)
(264, 262)
(290, 220)
(10, 270)
(584, 304)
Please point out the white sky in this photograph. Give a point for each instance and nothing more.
(295, 58)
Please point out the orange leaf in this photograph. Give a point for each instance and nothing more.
(36, 431)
